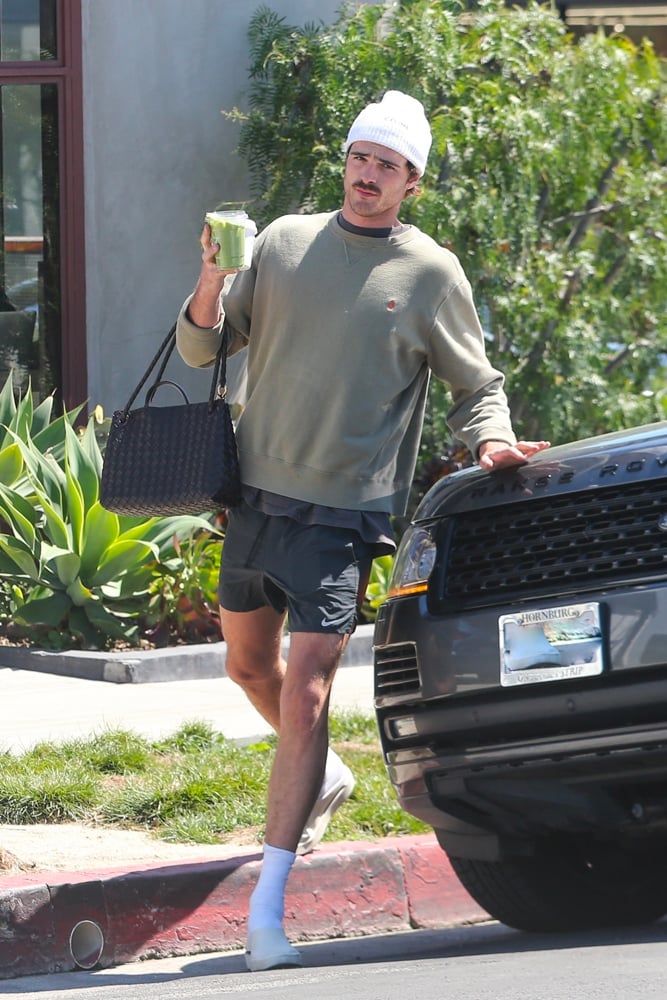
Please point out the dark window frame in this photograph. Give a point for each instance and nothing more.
(66, 71)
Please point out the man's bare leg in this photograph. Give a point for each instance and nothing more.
(296, 779)
(294, 699)
(300, 760)
(254, 658)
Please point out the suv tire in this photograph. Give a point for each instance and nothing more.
(570, 883)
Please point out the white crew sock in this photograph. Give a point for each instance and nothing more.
(267, 902)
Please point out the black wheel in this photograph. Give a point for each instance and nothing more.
(571, 884)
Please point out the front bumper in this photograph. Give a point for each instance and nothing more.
(493, 766)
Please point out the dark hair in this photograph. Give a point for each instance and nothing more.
(413, 170)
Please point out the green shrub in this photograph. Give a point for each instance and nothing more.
(183, 599)
(378, 584)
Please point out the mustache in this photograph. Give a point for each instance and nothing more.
(371, 188)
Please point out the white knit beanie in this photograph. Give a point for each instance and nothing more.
(397, 122)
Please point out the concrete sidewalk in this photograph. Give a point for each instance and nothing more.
(152, 692)
(36, 707)
(50, 920)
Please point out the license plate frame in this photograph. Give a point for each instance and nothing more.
(546, 645)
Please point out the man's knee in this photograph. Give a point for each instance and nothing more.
(319, 650)
(254, 645)
(311, 666)
(245, 668)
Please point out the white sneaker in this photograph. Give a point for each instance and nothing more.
(323, 810)
(268, 948)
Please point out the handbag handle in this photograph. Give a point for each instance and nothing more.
(218, 380)
(165, 381)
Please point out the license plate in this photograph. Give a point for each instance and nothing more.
(550, 644)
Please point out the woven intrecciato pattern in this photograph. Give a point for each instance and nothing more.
(163, 460)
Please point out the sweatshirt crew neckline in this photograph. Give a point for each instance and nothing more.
(377, 233)
(396, 237)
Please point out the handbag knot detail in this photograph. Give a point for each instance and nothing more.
(181, 459)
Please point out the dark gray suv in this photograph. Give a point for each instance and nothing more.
(521, 681)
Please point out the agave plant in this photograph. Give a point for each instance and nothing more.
(79, 574)
(20, 420)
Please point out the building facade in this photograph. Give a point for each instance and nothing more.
(114, 144)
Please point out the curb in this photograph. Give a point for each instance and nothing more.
(175, 663)
(341, 890)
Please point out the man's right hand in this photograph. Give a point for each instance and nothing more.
(204, 307)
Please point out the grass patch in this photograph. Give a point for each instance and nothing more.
(193, 787)
(52, 792)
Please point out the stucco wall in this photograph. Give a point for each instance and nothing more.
(158, 154)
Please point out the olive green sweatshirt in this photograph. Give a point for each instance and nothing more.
(343, 331)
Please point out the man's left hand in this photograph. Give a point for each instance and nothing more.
(500, 454)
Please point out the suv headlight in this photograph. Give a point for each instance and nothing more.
(413, 563)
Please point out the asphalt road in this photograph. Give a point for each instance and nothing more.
(481, 962)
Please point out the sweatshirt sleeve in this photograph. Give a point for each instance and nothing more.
(198, 345)
(457, 355)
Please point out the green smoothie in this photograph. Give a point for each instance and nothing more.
(229, 232)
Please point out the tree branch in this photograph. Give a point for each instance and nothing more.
(587, 215)
(578, 233)
(617, 266)
(616, 361)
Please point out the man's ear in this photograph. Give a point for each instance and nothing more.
(413, 183)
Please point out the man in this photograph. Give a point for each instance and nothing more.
(345, 315)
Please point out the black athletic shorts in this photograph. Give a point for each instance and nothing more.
(312, 571)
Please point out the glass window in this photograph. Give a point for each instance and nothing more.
(30, 340)
(42, 231)
(27, 30)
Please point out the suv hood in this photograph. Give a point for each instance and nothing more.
(639, 453)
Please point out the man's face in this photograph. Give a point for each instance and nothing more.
(376, 182)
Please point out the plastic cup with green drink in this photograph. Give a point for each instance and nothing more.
(234, 233)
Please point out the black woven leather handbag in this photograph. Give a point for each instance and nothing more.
(162, 460)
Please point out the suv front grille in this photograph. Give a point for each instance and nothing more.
(396, 671)
(558, 545)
